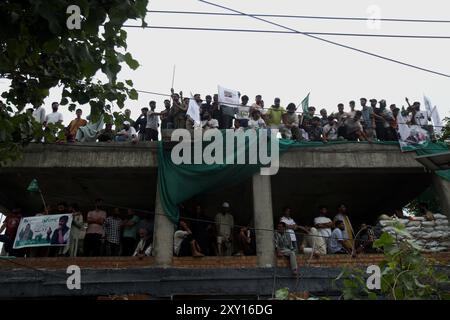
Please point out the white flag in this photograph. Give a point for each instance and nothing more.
(427, 104)
(437, 123)
(433, 113)
(194, 112)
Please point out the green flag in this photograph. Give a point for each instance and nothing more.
(33, 187)
(305, 106)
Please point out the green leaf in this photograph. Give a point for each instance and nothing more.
(282, 294)
(64, 101)
(129, 82)
(133, 64)
(385, 240)
(133, 94)
(72, 107)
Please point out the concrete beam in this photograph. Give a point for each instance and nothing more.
(442, 188)
(162, 235)
(144, 155)
(166, 282)
(88, 155)
(262, 206)
(349, 156)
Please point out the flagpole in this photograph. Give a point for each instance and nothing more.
(173, 82)
(173, 75)
(43, 201)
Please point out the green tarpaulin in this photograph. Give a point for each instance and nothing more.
(432, 148)
(179, 183)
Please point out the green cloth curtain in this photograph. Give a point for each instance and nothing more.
(178, 183)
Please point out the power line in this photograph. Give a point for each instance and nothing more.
(328, 41)
(289, 32)
(299, 16)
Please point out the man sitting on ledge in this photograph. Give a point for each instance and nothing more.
(184, 244)
(128, 133)
(283, 246)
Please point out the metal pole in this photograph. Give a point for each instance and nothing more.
(43, 201)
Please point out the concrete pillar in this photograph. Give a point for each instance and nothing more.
(263, 216)
(442, 188)
(162, 235)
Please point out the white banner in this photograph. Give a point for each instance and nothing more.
(411, 136)
(228, 97)
(48, 230)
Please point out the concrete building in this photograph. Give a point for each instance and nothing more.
(369, 178)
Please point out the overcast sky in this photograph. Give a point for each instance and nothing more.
(289, 66)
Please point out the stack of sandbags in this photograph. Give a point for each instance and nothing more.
(429, 236)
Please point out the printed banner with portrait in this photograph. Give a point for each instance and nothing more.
(44, 230)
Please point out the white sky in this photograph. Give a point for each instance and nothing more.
(290, 66)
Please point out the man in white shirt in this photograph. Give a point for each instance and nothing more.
(55, 116)
(421, 117)
(224, 227)
(418, 117)
(151, 128)
(183, 242)
(208, 122)
(291, 226)
(144, 247)
(128, 133)
(330, 130)
(243, 112)
(256, 122)
(323, 225)
(39, 114)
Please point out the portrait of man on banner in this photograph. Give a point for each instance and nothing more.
(46, 230)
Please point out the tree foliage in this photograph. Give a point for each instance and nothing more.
(446, 130)
(405, 273)
(39, 52)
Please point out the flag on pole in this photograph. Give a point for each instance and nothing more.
(427, 104)
(436, 119)
(305, 106)
(194, 112)
(34, 186)
(433, 113)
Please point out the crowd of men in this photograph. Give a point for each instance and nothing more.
(114, 232)
(371, 120)
(99, 232)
